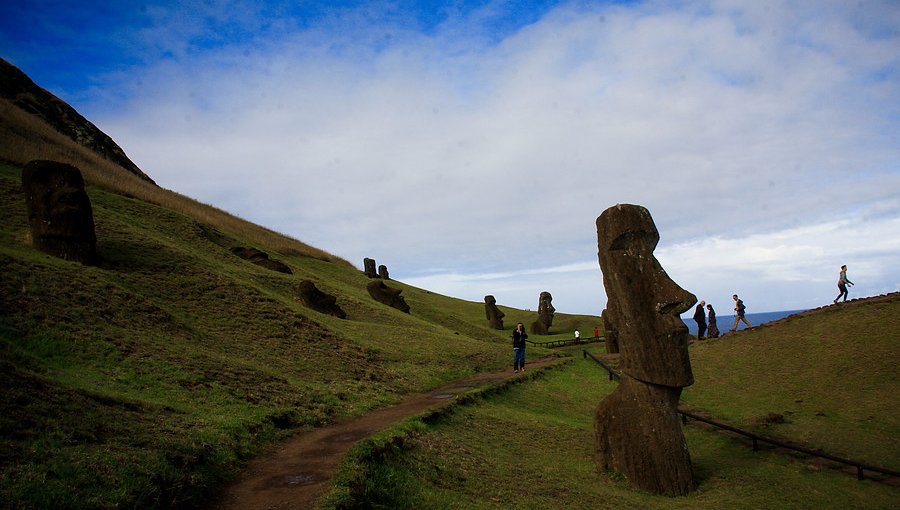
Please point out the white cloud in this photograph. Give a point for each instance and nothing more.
(728, 120)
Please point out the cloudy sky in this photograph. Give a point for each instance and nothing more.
(471, 145)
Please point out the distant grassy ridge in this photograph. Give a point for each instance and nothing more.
(147, 381)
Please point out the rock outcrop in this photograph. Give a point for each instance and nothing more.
(261, 258)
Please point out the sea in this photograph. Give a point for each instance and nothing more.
(726, 321)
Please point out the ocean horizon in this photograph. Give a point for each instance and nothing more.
(724, 322)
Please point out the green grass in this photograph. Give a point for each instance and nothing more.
(151, 379)
(532, 447)
(832, 376)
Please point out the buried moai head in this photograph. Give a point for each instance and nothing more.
(383, 272)
(387, 295)
(644, 303)
(545, 314)
(59, 211)
(312, 297)
(494, 315)
(369, 268)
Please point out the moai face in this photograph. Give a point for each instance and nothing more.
(59, 210)
(645, 303)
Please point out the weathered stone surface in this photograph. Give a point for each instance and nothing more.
(638, 434)
(312, 297)
(545, 314)
(369, 268)
(637, 430)
(59, 211)
(644, 303)
(494, 315)
(387, 295)
(383, 272)
(612, 336)
(261, 258)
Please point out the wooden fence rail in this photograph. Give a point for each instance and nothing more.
(568, 341)
(756, 438)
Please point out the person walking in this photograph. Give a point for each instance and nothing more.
(700, 319)
(577, 336)
(596, 333)
(713, 331)
(519, 337)
(843, 281)
(739, 310)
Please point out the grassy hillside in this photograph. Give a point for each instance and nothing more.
(831, 373)
(149, 379)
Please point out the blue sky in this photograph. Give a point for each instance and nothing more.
(470, 146)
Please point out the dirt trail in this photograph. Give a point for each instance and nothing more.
(298, 473)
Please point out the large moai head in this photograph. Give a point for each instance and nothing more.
(644, 303)
(494, 315)
(369, 267)
(383, 272)
(59, 211)
(387, 295)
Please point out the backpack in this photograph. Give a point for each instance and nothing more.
(741, 306)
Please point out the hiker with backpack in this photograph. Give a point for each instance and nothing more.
(739, 310)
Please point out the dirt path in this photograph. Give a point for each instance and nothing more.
(298, 473)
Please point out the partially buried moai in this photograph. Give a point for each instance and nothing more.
(59, 211)
(545, 314)
(638, 433)
(494, 315)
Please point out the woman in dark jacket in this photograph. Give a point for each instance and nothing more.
(713, 331)
(519, 337)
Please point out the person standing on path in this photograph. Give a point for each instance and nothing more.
(739, 310)
(843, 281)
(519, 337)
(713, 331)
(577, 336)
(700, 319)
(596, 333)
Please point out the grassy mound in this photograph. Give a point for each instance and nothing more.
(148, 380)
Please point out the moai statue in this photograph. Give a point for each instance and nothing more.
(59, 211)
(387, 295)
(312, 297)
(494, 315)
(383, 272)
(261, 258)
(369, 265)
(545, 315)
(612, 336)
(638, 433)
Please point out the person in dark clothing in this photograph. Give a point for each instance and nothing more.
(519, 337)
(713, 331)
(843, 281)
(700, 319)
(739, 311)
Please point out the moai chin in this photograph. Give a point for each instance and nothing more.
(638, 433)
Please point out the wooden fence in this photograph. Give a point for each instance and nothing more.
(756, 438)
